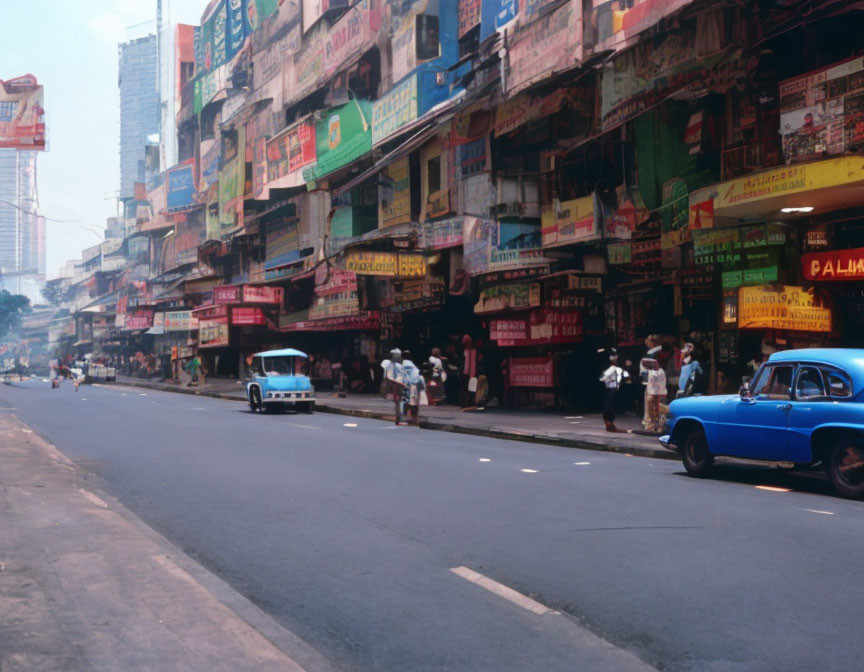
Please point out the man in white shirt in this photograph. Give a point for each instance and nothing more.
(612, 378)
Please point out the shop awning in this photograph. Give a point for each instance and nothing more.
(825, 186)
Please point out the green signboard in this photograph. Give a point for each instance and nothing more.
(344, 134)
(752, 276)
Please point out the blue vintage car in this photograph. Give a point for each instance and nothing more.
(276, 382)
(803, 408)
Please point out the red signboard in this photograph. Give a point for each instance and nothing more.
(369, 321)
(291, 150)
(247, 316)
(531, 372)
(834, 266)
(209, 312)
(225, 294)
(140, 319)
(262, 294)
(508, 330)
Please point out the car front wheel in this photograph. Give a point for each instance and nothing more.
(255, 400)
(698, 460)
(846, 467)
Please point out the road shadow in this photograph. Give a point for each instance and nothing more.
(814, 482)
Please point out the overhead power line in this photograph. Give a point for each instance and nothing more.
(36, 214)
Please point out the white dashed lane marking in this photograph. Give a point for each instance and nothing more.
(502, 591)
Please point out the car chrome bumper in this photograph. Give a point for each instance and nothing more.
(283, 397)
(665, 441)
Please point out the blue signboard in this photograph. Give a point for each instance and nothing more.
(496, 14)
(181, 188)
(237, 28)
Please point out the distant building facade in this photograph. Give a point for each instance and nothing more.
(139, 108)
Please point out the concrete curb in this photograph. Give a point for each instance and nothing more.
(545, 439)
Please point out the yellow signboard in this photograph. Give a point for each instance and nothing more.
(412, 266)
(781, 307)
(372, 263)
(387, 264)
(787, 180)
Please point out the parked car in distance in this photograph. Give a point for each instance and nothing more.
(803, 408)
(276, 381)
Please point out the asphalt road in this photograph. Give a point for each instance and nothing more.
(346, 531)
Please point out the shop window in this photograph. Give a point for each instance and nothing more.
(810, 384)
(428, 38)
(433, 170)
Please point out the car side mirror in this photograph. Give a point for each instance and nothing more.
(744, 391)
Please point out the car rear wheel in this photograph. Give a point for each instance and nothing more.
(698, 460)
(846, 467)
(255, 404)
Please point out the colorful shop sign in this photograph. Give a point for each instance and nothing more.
(675, 213)
(213, 333)
(181, 320)
(752, 276)
(548, 45)
(343, 135)
(291, 150)
(225, 294)
(329, 280)
(496, 15)
(820, 111)
(513, 296)
(441, 234)
(365, 321)
(531, 372)
(619, 253)
(839, 265)
(574, 221)
(140, 319)
(781, 307)
(283, 243)
(514, 112)
(387, 264)
(395, 109)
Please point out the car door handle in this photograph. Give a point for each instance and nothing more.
(784, 407)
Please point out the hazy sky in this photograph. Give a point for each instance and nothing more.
(71, 47)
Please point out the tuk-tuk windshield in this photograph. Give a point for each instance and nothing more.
(279, 366)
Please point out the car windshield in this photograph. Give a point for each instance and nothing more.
(278, 366)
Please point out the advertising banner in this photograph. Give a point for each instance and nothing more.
(180, 320)
(834, 266)
(139, 319)
(574, 221)
(496, 15)
(675, 214)
(395, 109)
(549, 45)
(531, 372)
(291, 150)
(386, 264)
(188, 235)
(441, 235)
(308, 64)
(213, 333)
(781, 307)
(342, 136)
(513, 296)
(262, 294)
(181, 188)
(821, 111)
(283, 243)
(247, 317)
(615, 24)
(330, 280)
(394, 193)
(411, 266)
(22, 115)
(351, 36)
(225, 294)
(642, 77)
(210, 162)
(365, 321)
(213, 39)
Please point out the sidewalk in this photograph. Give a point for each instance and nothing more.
(557, 428)
(85, 585)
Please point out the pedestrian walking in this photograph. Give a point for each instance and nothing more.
(691, 370)
(612, 378)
